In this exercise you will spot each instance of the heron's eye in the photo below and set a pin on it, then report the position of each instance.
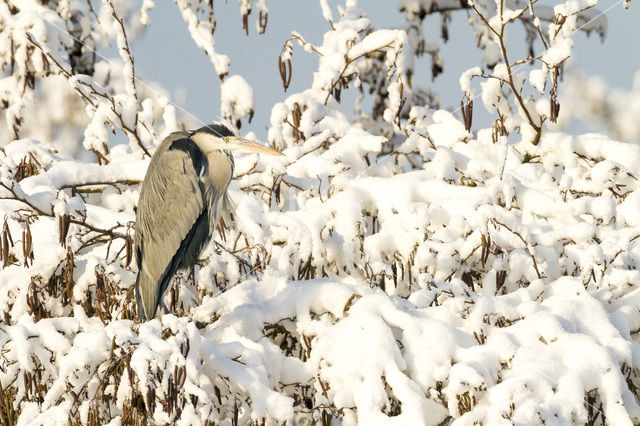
(226, 139)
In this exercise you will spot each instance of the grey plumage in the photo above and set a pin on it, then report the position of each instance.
(182, 197)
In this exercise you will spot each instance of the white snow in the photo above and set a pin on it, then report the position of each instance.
(395, 269)
(236, 98)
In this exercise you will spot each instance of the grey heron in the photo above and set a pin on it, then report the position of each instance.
(182, 197)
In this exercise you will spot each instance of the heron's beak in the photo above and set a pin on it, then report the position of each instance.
(251, 146)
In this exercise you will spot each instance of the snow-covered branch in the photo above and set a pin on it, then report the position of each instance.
(394, 267)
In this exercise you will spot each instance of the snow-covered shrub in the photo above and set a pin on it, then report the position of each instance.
(394, 267)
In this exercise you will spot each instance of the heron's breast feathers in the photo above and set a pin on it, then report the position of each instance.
(220, 171)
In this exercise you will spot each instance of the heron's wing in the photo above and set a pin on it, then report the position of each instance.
(171, 212)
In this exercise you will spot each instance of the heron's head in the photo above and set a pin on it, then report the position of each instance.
(222, 137)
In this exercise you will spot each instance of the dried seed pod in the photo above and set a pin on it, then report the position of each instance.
(554, 108)
(486, 244)
(128, 245)
(436, 65)
(174, 298)
(151, 401)
(113, 347)
(100, 278)
(67, 275)
(184, 348)
(245, 22)
(445, 18)
(296, 116)
(277, 188)
(181, 375)
(402, 101)
(501, 277)
(27, 243)
(262, 22)
(27, 379)
(284, 67)
(12, 59)
(63, 229)
(5, 242)
(170, 396)
(467, 111)
(34, 302)
(554, 105)
(337, 91)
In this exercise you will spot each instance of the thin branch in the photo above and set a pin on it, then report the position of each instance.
(538, 29)
(517, 95)
(304, 43)
(349, 62)
(100, 183)
(92, 91)
(526, 245)
(110, 232)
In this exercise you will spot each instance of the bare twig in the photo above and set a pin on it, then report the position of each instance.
(32, 207)
(503, 50)
(526, 245)
(90, 93)
(348, 62)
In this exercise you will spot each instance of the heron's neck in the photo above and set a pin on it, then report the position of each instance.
(220, 168)
(207, 143)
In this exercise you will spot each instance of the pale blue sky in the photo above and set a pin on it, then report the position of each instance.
(166, 54)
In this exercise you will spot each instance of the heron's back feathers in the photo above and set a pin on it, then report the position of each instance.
(173, 221)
